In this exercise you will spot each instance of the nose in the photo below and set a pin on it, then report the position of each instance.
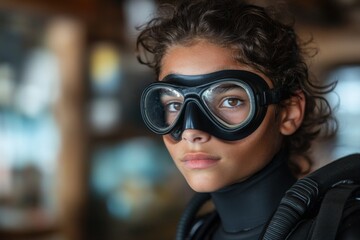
(195, 136)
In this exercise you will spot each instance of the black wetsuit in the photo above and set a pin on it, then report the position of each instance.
(243, 209)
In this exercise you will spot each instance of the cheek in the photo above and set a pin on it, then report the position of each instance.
(267, 139)
(264, 143)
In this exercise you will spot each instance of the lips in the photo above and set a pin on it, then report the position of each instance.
(199, 160)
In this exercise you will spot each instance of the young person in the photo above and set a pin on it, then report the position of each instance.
(236, 108)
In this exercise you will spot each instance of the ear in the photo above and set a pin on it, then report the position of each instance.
(292, 113)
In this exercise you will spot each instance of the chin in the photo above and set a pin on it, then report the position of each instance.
(204, 186)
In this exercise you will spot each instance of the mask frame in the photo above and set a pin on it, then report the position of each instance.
(195, 114)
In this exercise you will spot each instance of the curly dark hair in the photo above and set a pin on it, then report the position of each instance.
(257, 39)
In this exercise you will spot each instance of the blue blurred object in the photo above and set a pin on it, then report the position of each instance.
(135, 178)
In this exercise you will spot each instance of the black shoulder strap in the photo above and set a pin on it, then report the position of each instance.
(300, 198)
(331, 210)
(187, 218)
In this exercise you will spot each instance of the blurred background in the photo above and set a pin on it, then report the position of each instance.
(76, 162)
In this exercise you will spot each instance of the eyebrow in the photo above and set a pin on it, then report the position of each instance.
(221, 89)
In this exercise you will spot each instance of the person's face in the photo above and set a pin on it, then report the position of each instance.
(209, 163)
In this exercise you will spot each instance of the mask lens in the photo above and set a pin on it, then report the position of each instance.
(162, 107)
(230, 103)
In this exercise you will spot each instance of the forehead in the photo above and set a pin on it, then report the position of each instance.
(201, 57)
(195, 59)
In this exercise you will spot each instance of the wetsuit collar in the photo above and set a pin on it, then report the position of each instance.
(249, 204)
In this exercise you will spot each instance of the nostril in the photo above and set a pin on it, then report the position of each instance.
(197, 139)
(195, 136)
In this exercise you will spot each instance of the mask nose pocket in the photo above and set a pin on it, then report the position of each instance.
(193, 118)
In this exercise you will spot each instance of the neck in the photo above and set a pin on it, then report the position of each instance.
(250, 204)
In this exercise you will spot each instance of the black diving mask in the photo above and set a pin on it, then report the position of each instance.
(228, 104)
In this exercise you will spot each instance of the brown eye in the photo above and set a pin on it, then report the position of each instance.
(173, 107)
(231, 102)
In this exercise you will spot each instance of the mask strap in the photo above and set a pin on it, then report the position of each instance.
(273, 96)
